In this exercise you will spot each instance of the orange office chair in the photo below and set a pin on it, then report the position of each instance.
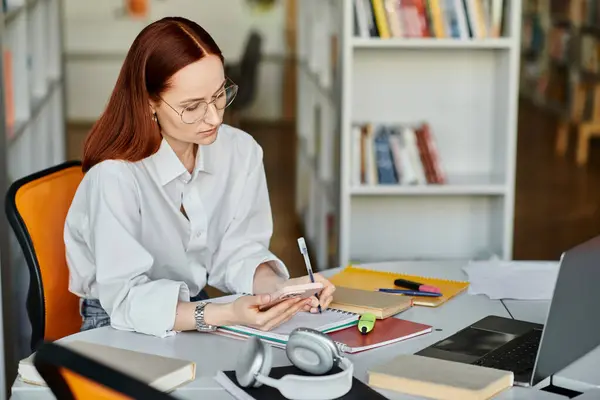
(72, 376)
(36, 208)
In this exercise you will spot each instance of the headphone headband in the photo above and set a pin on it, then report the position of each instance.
(309, 350)
(298, 387)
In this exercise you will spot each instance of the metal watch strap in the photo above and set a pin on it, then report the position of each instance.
(201, 325)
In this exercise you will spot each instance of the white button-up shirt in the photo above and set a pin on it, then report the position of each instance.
(129, 245)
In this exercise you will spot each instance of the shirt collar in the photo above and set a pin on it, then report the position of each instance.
(169, 167)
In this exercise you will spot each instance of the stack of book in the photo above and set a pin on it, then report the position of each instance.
(395, 154)
(339, 321)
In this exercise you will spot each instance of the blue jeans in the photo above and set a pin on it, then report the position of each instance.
(94, 316)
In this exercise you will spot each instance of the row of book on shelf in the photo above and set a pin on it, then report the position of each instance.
(395, 154)
(590, 53)
(591, 13)
(560, 40)
(579, 12)
(457, 19)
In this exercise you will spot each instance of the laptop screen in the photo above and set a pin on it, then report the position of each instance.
(572, 328)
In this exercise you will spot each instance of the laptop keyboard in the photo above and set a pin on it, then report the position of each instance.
(517, 356)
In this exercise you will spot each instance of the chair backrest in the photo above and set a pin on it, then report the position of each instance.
(249, 68)
(36, 208)
(72, 376)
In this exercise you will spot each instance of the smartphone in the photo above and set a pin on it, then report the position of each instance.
(289, 292)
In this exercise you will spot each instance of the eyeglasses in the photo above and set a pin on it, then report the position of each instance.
(196, 111)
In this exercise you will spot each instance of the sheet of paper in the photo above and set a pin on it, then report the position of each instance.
(517, 280)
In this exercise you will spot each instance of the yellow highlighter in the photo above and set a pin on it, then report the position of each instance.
(366, 323)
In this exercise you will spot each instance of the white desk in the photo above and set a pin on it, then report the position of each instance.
(583, 375)
(593, 394)
(533, 311)
(213, 353)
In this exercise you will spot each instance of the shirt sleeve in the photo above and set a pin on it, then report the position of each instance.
(245, 244)
(132, 300)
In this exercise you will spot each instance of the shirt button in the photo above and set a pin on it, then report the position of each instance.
(198, 234)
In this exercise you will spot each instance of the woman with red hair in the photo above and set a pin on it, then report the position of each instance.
(173, 199)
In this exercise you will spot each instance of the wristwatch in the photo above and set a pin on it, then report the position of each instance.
(201, 325)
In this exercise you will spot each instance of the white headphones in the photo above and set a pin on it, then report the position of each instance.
(309, 350)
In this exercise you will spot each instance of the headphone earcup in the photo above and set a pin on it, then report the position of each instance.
(267, 362)
(311, 352)
(256, 358)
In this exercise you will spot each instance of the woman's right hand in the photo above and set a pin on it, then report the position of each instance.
(245, 311)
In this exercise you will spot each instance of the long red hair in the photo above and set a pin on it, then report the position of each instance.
(126, 129)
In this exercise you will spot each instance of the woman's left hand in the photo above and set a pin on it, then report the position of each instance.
(325, 296)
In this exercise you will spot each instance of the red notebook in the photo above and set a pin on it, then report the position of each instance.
(386, 331)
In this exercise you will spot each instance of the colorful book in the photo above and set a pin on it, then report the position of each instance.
(367, 279)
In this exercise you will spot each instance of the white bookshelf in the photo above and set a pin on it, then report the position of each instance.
(465, 89)
(32, 137)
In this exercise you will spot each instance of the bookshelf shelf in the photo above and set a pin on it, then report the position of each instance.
(432, 43)
(33, 85)
(32, 118)
(37, 105)
(451, 189)
(17, 9)
(417, 133)
(560, 72)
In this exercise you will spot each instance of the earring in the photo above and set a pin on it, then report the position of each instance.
(154, 117)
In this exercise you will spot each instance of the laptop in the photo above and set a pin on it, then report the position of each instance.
(534, 352)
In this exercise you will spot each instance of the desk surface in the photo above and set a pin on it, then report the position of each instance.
(528, 310)
(213, 353)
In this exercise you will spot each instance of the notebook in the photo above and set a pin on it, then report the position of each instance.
(162, 373)
(359, 301)
(329, 321)
(386, 331)
(366, 279)
(439, 379)
(228, 381)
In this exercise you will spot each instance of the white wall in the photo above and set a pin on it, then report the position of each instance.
(96, 42)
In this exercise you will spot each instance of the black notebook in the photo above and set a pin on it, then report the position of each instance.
(227, 379)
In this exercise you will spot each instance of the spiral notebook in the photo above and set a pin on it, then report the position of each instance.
(367, 279)
(330, 320)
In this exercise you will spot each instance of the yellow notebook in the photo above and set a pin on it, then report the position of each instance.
(366, 279)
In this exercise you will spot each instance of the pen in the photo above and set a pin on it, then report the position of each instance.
(410, 292)
(304, 251)
(415, 286)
